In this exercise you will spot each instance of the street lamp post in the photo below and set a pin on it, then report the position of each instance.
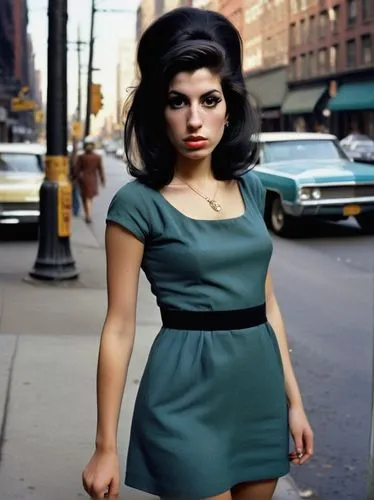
(87, 126)
(54, 260)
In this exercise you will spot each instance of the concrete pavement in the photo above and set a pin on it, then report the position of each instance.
(49, 336)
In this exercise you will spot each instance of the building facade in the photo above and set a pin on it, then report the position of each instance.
(17, 71)
(331, 62)
(265, 57)
(125, 74)
(234, 11)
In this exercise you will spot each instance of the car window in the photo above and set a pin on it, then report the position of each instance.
(20, 162)
(302, 150)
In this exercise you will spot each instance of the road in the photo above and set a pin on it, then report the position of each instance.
(324, 283)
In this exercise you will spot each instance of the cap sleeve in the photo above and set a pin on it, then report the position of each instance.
(256, 189)
(128, 208)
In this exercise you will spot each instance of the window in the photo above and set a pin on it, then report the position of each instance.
(294, 71)
(323, 24)
(20, 162)
(294, 6)
(302, 31)
(312, 64)
(351, 53)
(304, 66)
(303, 150)
(322, 61)
(334, 14)
(293, 35)
(334, 58)
(367, 9)
(312, 27)
(367, 49)
(351, 12)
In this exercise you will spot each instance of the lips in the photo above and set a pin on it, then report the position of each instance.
(195, 141)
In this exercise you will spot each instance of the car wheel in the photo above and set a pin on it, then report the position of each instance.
(366, 222)
(276, 218)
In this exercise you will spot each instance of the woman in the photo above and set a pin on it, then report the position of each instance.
(218, 395)
(89, 170)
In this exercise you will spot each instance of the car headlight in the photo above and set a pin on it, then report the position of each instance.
(316, 194)
(305, 194)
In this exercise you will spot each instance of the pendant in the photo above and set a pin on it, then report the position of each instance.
(215, 205)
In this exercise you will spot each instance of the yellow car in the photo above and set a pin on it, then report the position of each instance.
(21, 175)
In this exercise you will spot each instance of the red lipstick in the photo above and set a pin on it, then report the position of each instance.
(195, 141)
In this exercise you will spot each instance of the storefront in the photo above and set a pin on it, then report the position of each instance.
(352, 108)
(268, 89)
(304, 109)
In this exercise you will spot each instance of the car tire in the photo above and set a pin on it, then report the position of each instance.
(277, 219)
(366, 222)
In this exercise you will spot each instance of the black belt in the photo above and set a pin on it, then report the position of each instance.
(214, 320)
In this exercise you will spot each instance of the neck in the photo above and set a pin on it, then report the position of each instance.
(195, 170)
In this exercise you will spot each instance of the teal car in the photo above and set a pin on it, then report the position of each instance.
(308, 175)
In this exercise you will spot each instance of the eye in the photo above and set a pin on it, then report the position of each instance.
(176, 102)
(211, 101)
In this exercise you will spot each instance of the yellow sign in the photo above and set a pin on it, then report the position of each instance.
(351, 210)
(96, 98)
(39, 116)
(77, 129)
(64, 207)
(56, 168)
(18, 104)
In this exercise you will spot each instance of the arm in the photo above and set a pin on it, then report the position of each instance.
(101, 171)
(299, 425)
(124, 255)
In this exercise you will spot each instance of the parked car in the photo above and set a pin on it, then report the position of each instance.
(21, 175)
(308, 175)
(359, 147)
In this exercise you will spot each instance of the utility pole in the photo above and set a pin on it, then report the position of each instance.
(54, 260)
(87, 127)
(79, 97)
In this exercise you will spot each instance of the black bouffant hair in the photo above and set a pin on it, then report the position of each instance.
(187, 39)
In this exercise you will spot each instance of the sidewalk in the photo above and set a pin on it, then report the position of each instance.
(49, 336)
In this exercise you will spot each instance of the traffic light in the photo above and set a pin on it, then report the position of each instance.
(96, 98)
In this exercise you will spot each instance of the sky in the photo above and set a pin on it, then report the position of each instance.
(109, 29)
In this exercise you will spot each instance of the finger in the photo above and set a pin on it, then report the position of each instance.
(99, 493)
(299, 444)
(114, 488)
(309, 441)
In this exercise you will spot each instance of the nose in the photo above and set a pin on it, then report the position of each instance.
(194, 121)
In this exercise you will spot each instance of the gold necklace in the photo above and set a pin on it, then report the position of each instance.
(217, 207)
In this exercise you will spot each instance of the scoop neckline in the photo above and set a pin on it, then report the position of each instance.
(230, 219)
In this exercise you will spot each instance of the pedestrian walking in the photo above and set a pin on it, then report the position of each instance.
(89, 171)
(218, 398)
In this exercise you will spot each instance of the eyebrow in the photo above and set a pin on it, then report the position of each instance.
(206, 94)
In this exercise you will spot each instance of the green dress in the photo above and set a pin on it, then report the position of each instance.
(211, 410)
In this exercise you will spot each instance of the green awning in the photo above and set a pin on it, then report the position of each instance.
(300, 101)
(268, 88)
(353, 96)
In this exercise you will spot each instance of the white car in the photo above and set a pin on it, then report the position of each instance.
(21, 175)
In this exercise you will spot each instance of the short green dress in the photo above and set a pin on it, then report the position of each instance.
(211, 410)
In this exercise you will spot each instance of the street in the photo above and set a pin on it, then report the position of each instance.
(324, 284)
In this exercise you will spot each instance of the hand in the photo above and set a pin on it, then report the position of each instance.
(302, 435)
(101, 478)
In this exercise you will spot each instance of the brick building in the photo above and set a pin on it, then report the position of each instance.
(265, 57)
(149, 10)
(331, 73)
(17, 70)
(234, 11)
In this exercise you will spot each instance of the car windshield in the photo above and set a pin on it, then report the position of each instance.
(302, 150)
(20, 162)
